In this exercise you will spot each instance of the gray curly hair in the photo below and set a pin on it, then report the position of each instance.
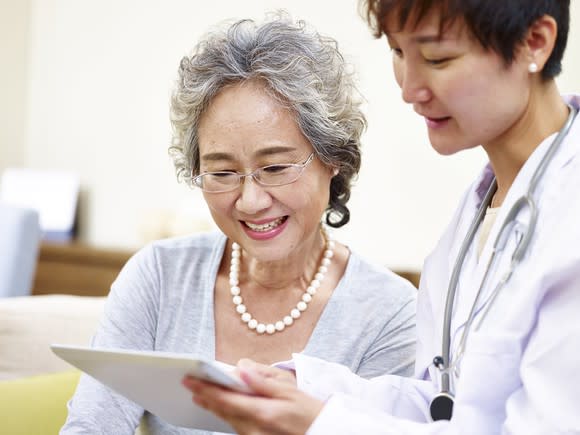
(301, 69)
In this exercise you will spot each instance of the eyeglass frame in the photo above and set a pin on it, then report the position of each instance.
(301, 166)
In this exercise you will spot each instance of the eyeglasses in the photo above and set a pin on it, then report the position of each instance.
(271, 175)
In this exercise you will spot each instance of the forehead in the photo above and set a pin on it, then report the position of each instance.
(431, 26)
(244, 119)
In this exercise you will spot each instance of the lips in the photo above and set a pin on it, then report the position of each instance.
(263, 227)
(434, 123)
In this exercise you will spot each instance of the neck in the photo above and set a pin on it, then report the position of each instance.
(544, 115)
(296, 270)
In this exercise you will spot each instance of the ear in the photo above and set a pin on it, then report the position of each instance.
(540, 40)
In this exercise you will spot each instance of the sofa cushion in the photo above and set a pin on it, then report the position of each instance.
(36, 405)
(28, 325)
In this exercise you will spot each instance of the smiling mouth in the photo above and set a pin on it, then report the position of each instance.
(262, 228)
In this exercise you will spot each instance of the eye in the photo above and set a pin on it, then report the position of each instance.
(221, 174)
(397, 52)
(438, 61)
(275, 169)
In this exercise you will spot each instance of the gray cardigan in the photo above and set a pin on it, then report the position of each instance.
(163, 300)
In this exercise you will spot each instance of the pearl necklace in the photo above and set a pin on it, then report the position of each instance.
(302, 305)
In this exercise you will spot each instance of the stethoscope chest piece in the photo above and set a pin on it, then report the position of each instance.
(441, 407)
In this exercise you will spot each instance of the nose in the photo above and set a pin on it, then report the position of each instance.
(253, 197)
(414, 88)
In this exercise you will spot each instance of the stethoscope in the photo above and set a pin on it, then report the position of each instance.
(441, 406)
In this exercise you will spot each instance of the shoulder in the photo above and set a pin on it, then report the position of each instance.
(377, 285)
(194, 248)
(195, 242)
(177, 253)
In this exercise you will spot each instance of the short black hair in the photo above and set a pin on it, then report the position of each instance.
(499, 25)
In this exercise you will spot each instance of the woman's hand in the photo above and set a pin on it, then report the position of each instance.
(277, 407)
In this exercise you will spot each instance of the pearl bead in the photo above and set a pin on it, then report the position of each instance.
(241, 308)
(295, 313)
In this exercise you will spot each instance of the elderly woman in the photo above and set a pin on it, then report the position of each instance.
(268, 127)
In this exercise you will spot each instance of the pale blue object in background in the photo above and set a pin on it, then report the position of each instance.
(20, 236)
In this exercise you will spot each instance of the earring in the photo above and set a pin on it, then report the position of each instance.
(533, 67)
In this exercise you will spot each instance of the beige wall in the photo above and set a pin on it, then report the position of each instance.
(98, 84)
(14, 39)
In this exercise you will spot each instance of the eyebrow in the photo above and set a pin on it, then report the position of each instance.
(422, 39)
(427, 39)
(219, 156)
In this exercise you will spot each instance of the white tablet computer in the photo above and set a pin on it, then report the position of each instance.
(153, 380)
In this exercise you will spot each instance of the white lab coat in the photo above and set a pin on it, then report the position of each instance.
(521, 370)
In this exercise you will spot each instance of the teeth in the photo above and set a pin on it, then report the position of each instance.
(265, 227)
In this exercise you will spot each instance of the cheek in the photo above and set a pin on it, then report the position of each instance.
(478, 104)
(310, 197)
(398, 72)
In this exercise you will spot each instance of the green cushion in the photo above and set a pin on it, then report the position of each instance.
(36, 405)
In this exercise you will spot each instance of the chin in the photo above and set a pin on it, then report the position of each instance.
(449, 147)
(446, 150)
(265, 254)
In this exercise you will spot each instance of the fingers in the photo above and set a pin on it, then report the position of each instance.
(224, 403)
(268, 413)
(264, 385)
(247, 365)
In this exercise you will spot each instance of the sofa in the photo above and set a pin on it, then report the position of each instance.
(35, 385)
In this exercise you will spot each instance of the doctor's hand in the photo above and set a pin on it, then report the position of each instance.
(277, 407)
